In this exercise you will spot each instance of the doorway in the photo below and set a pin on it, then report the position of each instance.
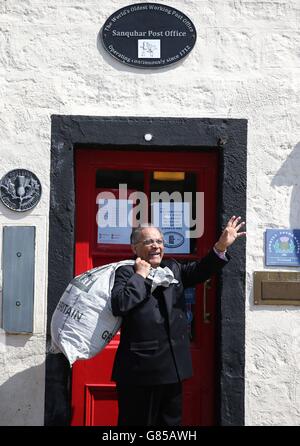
(187, 137)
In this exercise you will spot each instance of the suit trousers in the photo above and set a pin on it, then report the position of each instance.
(159, 405)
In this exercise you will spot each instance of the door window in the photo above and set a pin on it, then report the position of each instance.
(125, 198)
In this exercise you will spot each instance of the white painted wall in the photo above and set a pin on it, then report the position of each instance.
(245, 65)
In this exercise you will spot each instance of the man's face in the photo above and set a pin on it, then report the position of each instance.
(151, 252)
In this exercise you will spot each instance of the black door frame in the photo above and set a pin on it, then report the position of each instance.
(229, 137)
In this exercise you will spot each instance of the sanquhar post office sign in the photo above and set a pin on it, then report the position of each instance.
(148, 35)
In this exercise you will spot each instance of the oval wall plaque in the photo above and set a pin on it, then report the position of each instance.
(148, 35)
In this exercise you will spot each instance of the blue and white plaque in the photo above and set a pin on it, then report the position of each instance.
(282, 247)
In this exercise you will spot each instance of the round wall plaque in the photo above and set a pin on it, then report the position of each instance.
(20, 190)
(148, 35)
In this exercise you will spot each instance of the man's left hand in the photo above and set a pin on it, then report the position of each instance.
(230, 234)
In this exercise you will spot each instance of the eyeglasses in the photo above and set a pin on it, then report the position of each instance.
(151, 241)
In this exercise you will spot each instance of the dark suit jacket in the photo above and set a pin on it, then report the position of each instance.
(154, 345)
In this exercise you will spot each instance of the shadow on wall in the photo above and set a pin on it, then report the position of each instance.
(22, 398)
(23, 401)
(288, 175)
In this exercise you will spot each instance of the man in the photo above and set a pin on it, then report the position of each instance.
(153, 357)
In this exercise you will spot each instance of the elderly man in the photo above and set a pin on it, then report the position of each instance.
(153, 357)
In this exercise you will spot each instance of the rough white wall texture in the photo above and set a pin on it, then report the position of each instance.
(245, 65)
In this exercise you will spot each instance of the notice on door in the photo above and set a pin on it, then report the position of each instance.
(173, 219)
(114, 227)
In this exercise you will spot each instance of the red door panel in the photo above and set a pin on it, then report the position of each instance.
(94, 399)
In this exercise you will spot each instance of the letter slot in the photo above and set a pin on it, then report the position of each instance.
(18, 278)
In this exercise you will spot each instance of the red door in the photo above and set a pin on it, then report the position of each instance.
(93, 393)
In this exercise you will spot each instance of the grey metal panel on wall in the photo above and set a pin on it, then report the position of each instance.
(18, 278)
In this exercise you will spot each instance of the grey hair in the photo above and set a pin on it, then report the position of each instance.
(136, 232)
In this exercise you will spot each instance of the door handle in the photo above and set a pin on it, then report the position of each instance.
(206, 314)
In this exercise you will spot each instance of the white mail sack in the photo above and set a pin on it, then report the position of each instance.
(82, 323)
